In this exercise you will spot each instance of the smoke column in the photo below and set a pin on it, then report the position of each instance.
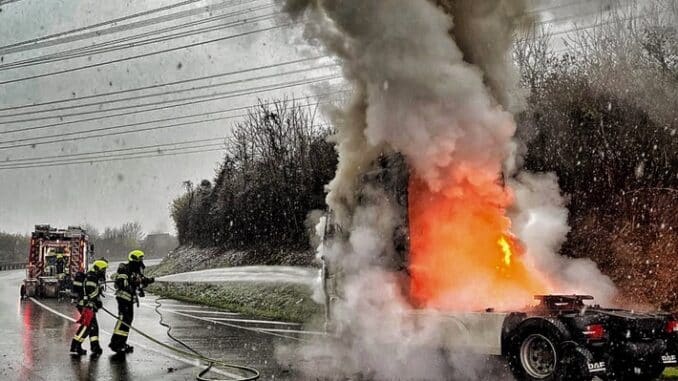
(433, 82)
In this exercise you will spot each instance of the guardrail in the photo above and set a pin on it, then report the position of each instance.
(13, 266)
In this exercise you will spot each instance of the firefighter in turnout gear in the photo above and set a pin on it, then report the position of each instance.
(60, 265)
(129, 282)
(87, 292)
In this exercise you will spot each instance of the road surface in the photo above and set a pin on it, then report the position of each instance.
(35, 337)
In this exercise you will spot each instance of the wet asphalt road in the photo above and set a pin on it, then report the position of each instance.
(35, 336)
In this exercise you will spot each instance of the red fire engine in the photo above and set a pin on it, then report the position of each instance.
(55, 255)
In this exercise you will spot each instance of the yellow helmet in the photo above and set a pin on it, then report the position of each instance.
(100, 265)
(59, 256)
(135, 255)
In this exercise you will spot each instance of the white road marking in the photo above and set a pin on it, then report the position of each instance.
(272, 322)
(319, 333)
(172, 303)
(163, 353)
(251, 329)
(200, 311)
(222, 321)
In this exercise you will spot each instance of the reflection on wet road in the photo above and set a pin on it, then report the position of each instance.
(35, 337)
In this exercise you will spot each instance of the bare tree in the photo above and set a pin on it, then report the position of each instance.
(534, 56)
(276, 165)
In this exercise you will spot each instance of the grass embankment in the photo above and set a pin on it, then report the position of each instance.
(184, 259)
(671, 374)
(285, 302)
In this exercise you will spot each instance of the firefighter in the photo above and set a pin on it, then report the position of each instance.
(129, 283)
(60, 265)
(126, 296)
(135, 260)
(136, 269)
(87, 290)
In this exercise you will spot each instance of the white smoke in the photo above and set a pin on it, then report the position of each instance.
(437, 92)
(539, 219)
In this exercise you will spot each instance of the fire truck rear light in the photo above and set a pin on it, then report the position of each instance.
(594, 332)
(672, 326)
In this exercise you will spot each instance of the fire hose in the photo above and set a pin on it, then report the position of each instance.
(192, 353)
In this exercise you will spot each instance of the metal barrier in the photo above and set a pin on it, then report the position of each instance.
(13, 266)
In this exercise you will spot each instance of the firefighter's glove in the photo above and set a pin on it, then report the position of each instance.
(141, 293)
(98, 304)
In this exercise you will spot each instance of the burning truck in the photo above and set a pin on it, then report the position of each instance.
(429, 244)
(560, 337)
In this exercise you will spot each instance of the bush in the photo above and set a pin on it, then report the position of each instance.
(276, 165)
(13, 247)
(603, 119)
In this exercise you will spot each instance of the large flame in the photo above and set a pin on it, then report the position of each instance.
(462, 253)
(506, 249)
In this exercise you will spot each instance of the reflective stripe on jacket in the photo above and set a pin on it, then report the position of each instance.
(124, 290)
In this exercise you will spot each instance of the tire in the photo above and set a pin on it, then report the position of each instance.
(575, 362)
(539, 350)
(22, 291)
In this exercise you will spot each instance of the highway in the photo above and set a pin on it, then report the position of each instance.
(36, 335)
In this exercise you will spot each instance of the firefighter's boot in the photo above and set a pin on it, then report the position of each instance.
(116, 348)
(121, 348)
(76, 348)
(96, 349)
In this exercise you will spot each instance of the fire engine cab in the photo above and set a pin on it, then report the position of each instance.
(54, 256)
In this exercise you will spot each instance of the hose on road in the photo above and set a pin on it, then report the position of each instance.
(191, 353)
(211, 362)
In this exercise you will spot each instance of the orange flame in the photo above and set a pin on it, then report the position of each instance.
(456, 260)
(506, 249)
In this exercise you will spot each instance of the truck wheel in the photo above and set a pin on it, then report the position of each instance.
(538, 356)
(575, 362)
(22, 291)
(536, 351)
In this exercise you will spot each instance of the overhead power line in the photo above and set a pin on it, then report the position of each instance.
(157, 94)
(122, 43)
(112, 159)
(560, 6)
(72, 136)
(579, 29)
(90, 157)
(180, 82)
(94, 156)
(247, 33)
(231, 94)
(107, 134)
(561, 19)
(6, 48)
(37, 160)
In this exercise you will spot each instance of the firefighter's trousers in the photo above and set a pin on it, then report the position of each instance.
(85, 330)
(121, 331)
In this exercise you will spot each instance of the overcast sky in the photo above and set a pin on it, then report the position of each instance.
(111, 193)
